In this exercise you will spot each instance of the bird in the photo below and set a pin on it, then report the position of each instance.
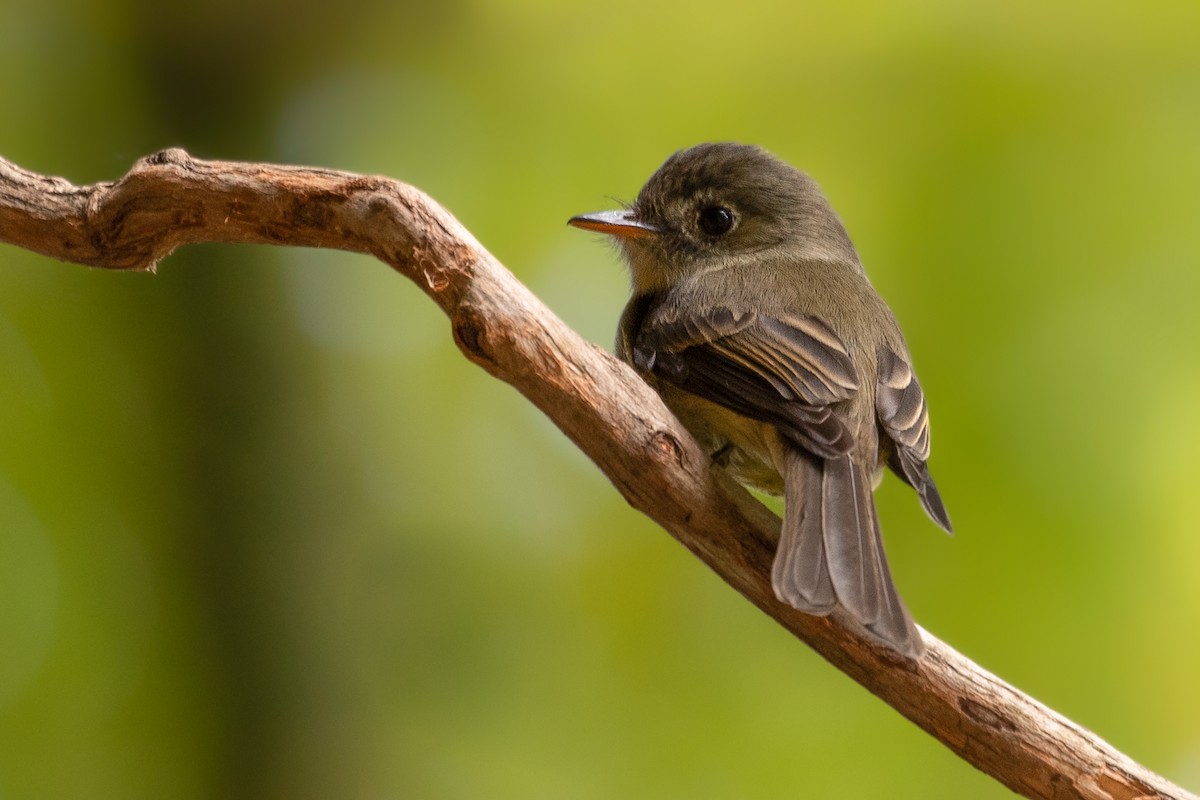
(753, 318)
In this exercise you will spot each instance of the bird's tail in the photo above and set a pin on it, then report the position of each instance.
(831, 553)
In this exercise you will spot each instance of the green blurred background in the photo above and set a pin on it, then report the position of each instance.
(265, 533)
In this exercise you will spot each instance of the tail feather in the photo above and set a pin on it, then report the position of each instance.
(895, 625)
(850, 539)
(800, 574)
(831, 552)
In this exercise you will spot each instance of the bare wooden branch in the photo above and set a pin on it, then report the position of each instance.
(170, 199)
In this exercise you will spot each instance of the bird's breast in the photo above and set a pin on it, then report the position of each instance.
(749, 450)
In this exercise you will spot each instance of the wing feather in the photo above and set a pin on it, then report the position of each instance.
(783, 371)
(904, 419)
(786, 372)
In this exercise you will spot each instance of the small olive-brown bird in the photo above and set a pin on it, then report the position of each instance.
(752, 317)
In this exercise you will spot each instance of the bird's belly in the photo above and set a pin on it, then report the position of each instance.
(746, 448)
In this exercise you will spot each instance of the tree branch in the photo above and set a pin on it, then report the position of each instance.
(170, 199)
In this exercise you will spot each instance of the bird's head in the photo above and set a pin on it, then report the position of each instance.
(712, 206)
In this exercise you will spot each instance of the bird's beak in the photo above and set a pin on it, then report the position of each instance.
(615, 223)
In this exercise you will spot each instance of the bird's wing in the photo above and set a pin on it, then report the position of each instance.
(793, 372)
(904, 419)
(784, 370)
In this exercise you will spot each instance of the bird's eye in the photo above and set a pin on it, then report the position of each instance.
(716, 220)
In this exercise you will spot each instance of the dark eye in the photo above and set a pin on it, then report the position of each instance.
(716, 220)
